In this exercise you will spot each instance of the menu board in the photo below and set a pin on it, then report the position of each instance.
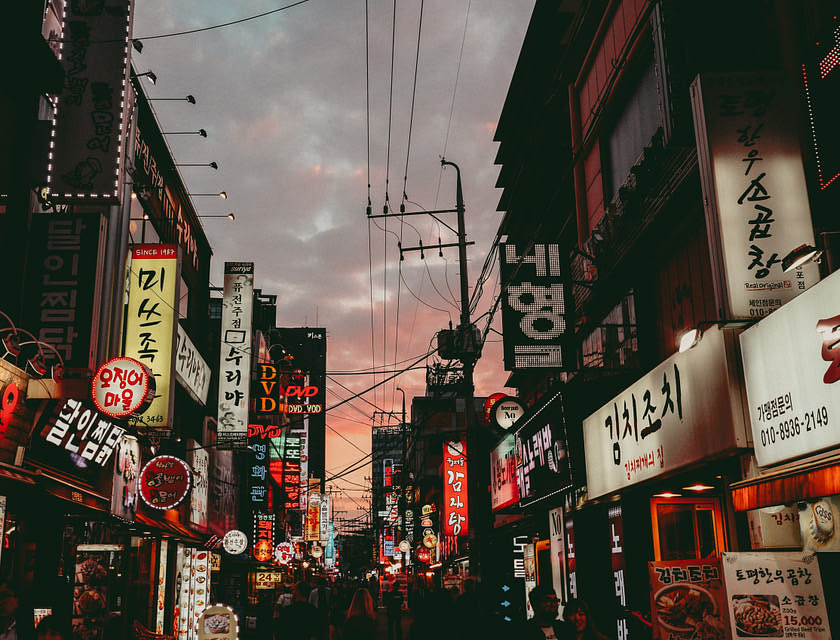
(95, 573)
(775, 595)
(193, 587)
(687, 600)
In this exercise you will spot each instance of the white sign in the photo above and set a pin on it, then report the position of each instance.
(199, 459)
(775, 595)
(235, 356)
(284, 552)
(507, 412)
(557, 546)
(323, 523)
(235, 542)
(190, 368)
(122, 387)
(754, 190)
(687, 409)
(792, 377)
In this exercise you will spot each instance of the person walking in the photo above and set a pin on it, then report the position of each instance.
(360, 623)
(12, 625)
(300, 620)
(545, 625)
(393, 609)
(581, 624)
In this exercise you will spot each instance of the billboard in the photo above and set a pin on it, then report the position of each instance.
(535, 316)
(235, 356)
(151, 317)
(754, 190)
(87, 136)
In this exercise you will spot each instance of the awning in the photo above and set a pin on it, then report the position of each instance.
(169, 528)
(814, 479)
(67, 489)
(16, 474)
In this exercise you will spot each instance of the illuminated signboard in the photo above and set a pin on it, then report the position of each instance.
(284, 552)
(754, 190)
(235, 542)
(504, 490)
(9, 400)
(235, 355)
(258, 476)
(534, 310)
(81, 430)
(124, 486)
(263, 549)
(164, 482)
(122, 387)
(153, 283)
(455, 489)
(86, 146)
(821, 80)
(313, 518)
(266, 390)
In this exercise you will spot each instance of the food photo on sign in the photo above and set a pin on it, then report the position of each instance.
(688, 600)
(94, 588)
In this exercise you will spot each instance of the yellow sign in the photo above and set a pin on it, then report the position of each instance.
(267, 579)
(153, 277)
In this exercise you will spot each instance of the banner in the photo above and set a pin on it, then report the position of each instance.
(199, 460)
(87, 137)
(235, 356)
(151, 318)
(687, 599)
(775, 595)
(64, 275)
(455, 489)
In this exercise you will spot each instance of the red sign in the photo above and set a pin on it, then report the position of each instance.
(491, 400)
(9, 399)
(165, 482)
(455, 501)
(263, 536)
(122, 387)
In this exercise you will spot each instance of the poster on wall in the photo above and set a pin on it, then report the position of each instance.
(235, 354)
(150, 323)
(530, 564)
(775, 595)
(95, 583)
(754, 190)
(687, 600)
(126, 471)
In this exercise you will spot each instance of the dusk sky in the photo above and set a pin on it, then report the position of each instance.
(283, 100)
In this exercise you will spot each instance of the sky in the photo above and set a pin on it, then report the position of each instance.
(300, 120)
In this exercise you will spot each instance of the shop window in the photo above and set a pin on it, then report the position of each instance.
(686, 529)
(613, 344)
(634, 127)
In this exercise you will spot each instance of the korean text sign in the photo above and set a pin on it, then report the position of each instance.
(455, 489)
(235, 356)
(534, 311)
(775, 595)
(153, 283)
(80, 429)
(792, 376)
(687, 599)
(542, 466)
(87, 132)
(687, 409)
(503, 488)
(754, 188)
(190, 368)
(164, 482)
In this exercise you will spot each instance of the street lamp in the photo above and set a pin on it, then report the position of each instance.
(149, 74)
(190, 98)
(212, 165)
(200, 132)
(221, 194)
(229, 216)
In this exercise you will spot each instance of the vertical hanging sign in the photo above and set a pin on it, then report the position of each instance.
(455, 500)
(754, 189)
(235, 356)
(153, 279)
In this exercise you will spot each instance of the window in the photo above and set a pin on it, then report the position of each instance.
(686, 529)
(633, 130)
(613, 344)
(184, 299)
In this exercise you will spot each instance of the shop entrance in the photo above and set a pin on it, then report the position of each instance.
(686, 528)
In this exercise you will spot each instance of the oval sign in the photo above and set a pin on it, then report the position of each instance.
(316, 551)
(123, 387)
(164, 482)
(507, 411)
(284, 552)
(235, 542)
(430, 540)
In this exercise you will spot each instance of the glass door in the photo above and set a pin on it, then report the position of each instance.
(686, 528)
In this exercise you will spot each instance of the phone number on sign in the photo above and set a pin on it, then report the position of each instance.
(787, 429)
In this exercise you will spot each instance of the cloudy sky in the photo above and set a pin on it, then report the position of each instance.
(284, 102)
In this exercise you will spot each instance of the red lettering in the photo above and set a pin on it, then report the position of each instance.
(8, 402)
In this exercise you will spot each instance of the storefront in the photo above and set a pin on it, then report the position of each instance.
(659, 457)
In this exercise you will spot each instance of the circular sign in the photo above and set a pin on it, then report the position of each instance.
(426, 523)
(404, 546)
(164, 482)
(263, 550)
(491, 400)
(122, 387)
(507, 411)
(430, 540)
(316, 551)
(235, 542)
(284, 552)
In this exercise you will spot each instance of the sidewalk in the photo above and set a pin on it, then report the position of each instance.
(382, 624)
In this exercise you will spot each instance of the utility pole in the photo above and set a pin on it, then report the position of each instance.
(403, 474)
(466, 347)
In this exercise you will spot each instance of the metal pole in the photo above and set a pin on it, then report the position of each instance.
(402, 483)
(468, 360)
